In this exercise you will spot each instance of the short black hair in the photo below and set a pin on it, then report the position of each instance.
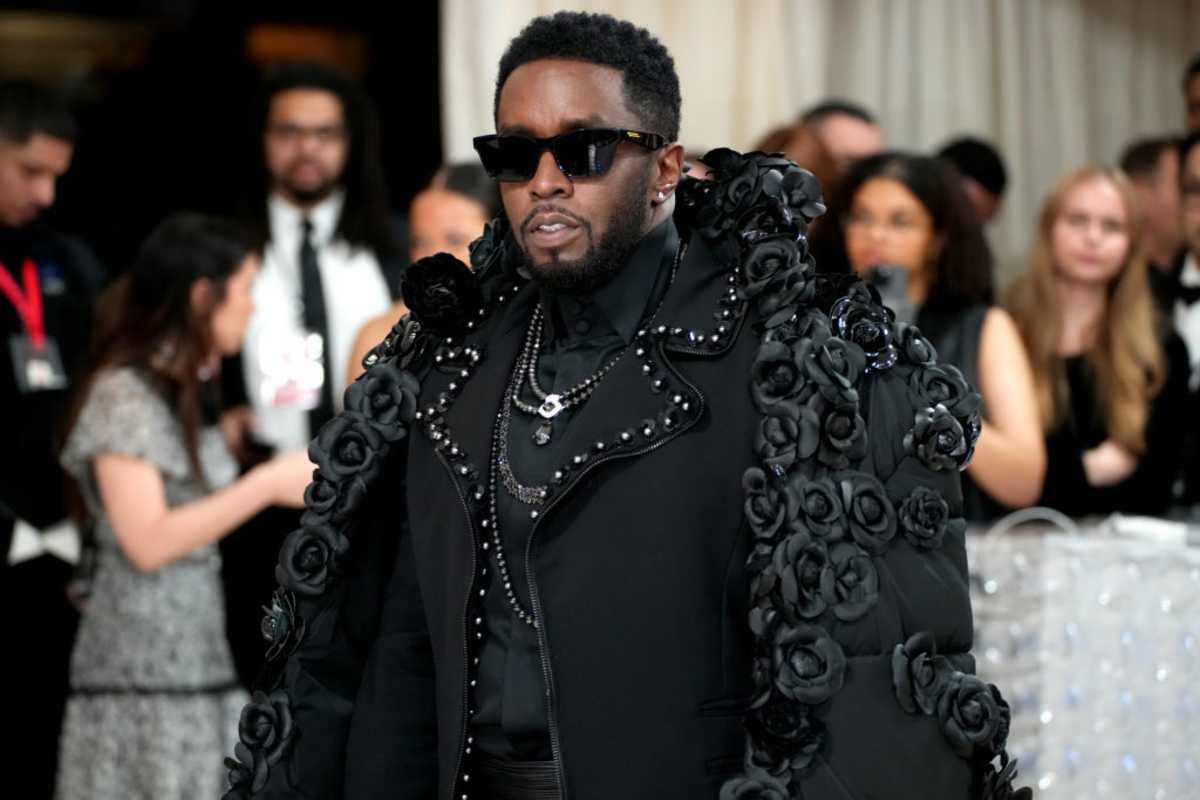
(1140, 159)
(651, 85)
(1189, 143)
(1193, 69)
(27, 108)
(818, 113)
(978, 160)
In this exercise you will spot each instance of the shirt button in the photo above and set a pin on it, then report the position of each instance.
(582, 326)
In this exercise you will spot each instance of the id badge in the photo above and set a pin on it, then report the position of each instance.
(37, 369)
(292, 370)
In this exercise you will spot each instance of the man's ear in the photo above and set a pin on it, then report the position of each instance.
(669, 161)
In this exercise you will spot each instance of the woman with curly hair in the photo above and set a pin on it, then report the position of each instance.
(154, 698)
(904, 217)
(1111, 378)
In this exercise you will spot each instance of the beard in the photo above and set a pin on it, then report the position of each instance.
(309, 194)
(604, 258)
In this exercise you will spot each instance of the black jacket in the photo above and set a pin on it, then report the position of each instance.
(638, 570)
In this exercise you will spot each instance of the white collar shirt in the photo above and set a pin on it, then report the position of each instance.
(355, 290)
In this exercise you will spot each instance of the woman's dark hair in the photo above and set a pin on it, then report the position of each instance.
(963, 274)
(472, 181)
(145, 319)
(366, 219)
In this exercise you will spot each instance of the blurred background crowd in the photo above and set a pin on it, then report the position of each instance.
(204, 216)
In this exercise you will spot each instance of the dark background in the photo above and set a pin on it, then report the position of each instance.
(163, 92)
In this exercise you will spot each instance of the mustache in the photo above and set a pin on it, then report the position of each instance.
(549, 208)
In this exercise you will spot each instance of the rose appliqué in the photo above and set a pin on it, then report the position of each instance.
(938, 439)
(442, 293)
(264, 733)
(925, 519)
(308, 558)
(869, 512)
(859, 317)
(809, 666)
(387, 398)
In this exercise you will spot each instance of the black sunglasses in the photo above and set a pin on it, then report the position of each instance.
(579, 154)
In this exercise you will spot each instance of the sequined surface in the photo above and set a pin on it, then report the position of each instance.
(1095, 639)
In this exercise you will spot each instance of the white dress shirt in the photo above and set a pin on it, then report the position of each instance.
(1187, 317)
(355, 291)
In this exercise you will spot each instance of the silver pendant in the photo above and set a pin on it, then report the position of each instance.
(551, 407)
(541, 435)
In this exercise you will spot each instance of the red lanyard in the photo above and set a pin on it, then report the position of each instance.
(28, 303)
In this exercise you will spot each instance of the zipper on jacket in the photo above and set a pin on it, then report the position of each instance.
(462, 738)
(531, 579)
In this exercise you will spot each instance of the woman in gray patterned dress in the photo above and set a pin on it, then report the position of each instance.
(154, 700)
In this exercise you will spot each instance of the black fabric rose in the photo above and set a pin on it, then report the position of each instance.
(871, 517)
(282, 627)
(998, 784)
(788, 432)
(266, 725)
(243, 775)
(778, 303)
(915, 348)
(937, 438)
(442, 293)
(776, 374)
(809, 323)
(834, 367)
(769, 504)
(308, 559)
(809, 666)
(944, 384)
(784, 738)
(820, 506)
(919, 674)
(744, 787)
(974, 717)
(802, 192)
(859, 318)
(741, 190)
(330, 503)
(843, 435)
(800, 561)
(347, 447)
(490, 242)
(849, 582)
(767, 263)
(387, 397)
(925, 519)
(265, 731)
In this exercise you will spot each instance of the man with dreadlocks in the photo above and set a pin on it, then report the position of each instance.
(642, 507)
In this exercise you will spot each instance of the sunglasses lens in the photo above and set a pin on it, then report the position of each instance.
(508, 158)
(585, 153)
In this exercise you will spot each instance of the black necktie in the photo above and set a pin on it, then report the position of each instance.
(314, 320)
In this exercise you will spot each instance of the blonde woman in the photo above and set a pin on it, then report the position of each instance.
(1111, 380)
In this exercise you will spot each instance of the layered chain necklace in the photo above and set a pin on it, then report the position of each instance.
(550, 406)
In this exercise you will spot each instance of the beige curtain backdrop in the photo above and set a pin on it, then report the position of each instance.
(1053, 83)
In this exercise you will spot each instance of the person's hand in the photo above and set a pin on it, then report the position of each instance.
(287, 476)
(1108, 464)
(237, 425)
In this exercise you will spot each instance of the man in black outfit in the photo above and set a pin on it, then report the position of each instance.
(48, 283)
(601, 520)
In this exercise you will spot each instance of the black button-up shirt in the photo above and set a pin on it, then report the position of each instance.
(581, 335)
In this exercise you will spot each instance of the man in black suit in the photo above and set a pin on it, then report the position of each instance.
(639, 485)
(48, 285)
